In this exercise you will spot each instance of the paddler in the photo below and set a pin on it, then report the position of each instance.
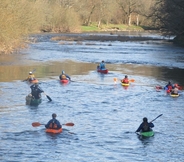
(125, 80)
(30, 77)
(53, 123)
(145, 126)
(64, 76)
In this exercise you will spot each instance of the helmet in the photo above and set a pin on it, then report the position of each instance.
(63, 72)
(102, 60)
(145, 119)
(54, 115)
(30, 72)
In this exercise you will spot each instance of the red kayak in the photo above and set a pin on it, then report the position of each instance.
(103, 71)
(64, 81)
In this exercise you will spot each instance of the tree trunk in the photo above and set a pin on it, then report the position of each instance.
(129, 20)
(137, 19)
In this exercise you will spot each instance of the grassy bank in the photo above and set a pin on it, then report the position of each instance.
(110, 27)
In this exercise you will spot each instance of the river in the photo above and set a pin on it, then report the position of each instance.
(105, 114)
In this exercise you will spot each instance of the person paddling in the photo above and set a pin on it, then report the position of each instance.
(30, 77)
(174, 91)
(53, 123)
(102, 65)
(168, 87)
(64, 76)
(36, 91)
(125, 80)
(145, 126)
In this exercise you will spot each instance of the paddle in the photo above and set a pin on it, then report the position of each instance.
(37, 124)
(116, 79)
(156, 118)
(47, 97)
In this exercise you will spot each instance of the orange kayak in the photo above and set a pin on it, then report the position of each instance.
(33, 81)
(55, 131)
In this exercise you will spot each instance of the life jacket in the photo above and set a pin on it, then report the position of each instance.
(53, 125)
(125, 81)
(169, 89)
(174, 91)
(31, 77)
(63, 76)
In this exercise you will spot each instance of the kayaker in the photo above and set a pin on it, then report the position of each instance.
(64, 76)
(174, 91)
(102, 65)
(36, 91)
(125, 80)
(145, 126)
(168, 87)
(30, 77)
(53, 123)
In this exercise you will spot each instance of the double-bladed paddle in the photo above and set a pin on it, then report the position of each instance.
(37, 124)
(156, 118)
(130, 80)
(47, 97)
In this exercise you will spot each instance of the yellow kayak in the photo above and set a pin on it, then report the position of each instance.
(125, 84)
(174, 95)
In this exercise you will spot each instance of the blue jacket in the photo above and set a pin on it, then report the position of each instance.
(168, 86)
(53, 124)
(145, 127)
(102, 65)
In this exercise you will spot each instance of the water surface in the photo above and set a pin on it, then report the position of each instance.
(105, 114)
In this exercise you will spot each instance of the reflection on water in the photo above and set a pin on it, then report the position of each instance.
(53, 70)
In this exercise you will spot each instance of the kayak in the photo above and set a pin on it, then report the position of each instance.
(31, 101)
(103, 71)
(147, 134)
(174, 95)
(55, 131)
(125, 84)
(33, 81)
(64, 81)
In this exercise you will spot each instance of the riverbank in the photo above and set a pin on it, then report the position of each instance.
(110, 36)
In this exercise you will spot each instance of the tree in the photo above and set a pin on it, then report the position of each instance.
(168, 15)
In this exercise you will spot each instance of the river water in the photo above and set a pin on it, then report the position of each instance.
(105, 114)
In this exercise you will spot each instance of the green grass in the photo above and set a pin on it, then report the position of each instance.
(110, 27)
(89, 28)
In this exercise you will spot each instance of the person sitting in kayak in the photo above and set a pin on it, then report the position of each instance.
(168, 87)
(102, 65)
(36, 91)
(30, 77)
(174, 91)
(53, 123)
(64, 76)
(125, 80)
(145, 126)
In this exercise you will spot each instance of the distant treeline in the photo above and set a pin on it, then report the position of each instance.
(19, 18)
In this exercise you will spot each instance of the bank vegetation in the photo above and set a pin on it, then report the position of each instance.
(20, 18)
